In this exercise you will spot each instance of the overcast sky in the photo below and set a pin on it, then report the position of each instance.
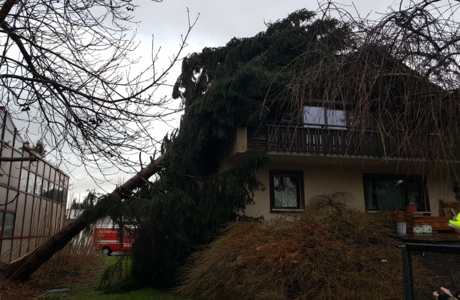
(218, 22)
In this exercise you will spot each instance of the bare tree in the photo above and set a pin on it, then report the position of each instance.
(65, 69)
(399, 76)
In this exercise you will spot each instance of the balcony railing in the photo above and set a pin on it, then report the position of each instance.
(314, 139)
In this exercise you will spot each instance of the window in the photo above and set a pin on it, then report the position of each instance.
(48, 190)
(8, 135)
(321, 117)
(6, 224)
(23, 180)
(18, 141)
(56, 193)
(38, 185)
(389, 192)
(2, 121)
(286, 190)
(456, 186)
(64, 196)
(31, 184)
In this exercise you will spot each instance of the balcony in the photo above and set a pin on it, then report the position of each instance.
(339, 141)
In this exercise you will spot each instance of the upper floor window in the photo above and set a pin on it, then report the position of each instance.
(322, 117)
(286, 190)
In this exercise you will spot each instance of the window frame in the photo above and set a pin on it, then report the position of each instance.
(422, 181)
(300, 193)
(326, 121)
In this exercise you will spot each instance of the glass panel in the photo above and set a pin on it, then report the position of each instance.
(15, 174)
(58, 179)
(314, 115)
(31, 184)
(286, 191)
(415, 194)
(18, 142)
(5, 168)
(1, 222)
(56, 193)
(38, 185)
(385, 193)
(3, 194)
(336, 119)
(40, 167)
(64, 196)
(17, 153)
(9, 225)
(49, 193)
(33, 166)
(2, 118)
(371, 202)
(392, 193)
(44, 188)
(59, 193)
(11, 200)
(9, 132)
(7, 152)
(23, 181)
(52, 175)
(46, 174)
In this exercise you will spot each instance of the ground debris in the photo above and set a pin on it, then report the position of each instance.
(330, 251)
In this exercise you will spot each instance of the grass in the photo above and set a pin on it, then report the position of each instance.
(147, 293)
(87, 287)
(76, 273)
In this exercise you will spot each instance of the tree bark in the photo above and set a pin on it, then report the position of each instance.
(4, 159)
(23, 267)
(6, 8)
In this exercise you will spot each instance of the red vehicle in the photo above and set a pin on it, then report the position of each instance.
(108, 239)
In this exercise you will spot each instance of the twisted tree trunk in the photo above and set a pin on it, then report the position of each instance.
(23, 267)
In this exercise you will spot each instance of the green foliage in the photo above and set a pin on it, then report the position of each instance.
(39, 148)
(222, 89)
(88, 202)
(141, 294)
(227, 87)
(187, 215)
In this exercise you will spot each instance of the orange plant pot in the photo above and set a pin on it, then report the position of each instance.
(410, 209)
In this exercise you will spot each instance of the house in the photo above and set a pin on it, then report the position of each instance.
(364, 124)
(33, 194)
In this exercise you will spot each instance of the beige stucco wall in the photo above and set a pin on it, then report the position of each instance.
(329, 175)
(439, 188)
(237, 146)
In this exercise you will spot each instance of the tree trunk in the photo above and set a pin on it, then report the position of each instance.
(23, 267)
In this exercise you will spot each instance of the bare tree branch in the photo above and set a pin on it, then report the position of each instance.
(66, 71)
(32, 158)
